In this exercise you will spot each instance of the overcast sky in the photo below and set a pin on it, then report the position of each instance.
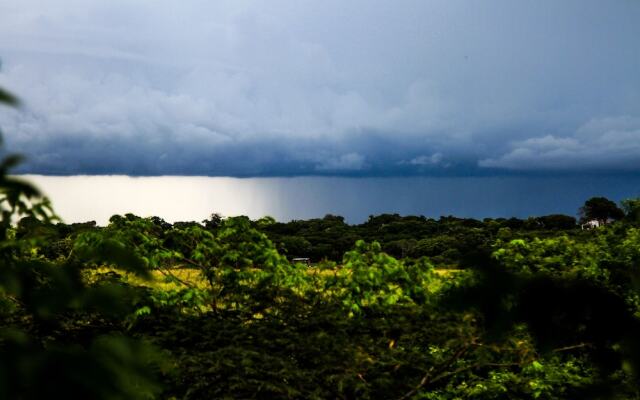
(253, 88)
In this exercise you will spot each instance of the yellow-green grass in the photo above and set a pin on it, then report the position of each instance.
(165, 279)
(180, 278)
(448, 272)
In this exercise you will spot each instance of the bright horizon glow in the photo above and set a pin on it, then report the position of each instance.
(97, 198)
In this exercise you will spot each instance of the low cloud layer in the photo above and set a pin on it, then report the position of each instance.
(600, 144)
(322, 88)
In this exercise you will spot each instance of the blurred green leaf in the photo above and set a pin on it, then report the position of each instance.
(8, 98)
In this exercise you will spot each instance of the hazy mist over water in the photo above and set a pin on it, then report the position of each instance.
(86, 198)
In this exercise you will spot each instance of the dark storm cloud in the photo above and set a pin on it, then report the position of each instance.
(349, 88)
(358, 154)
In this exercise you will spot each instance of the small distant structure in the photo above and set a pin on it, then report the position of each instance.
(302, 260)
(591, 224)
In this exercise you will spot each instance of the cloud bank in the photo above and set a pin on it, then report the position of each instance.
(604, 143)
(247, 88)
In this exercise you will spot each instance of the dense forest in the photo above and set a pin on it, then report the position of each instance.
(398, 307)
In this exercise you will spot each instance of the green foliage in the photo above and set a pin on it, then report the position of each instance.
(560, 255)
(631, 208)
(601, 209)
(371, 278)
(8, 98)
(111, 367)
(572, 294)
(371, 326)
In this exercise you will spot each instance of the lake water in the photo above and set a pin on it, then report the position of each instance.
(86, 198)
